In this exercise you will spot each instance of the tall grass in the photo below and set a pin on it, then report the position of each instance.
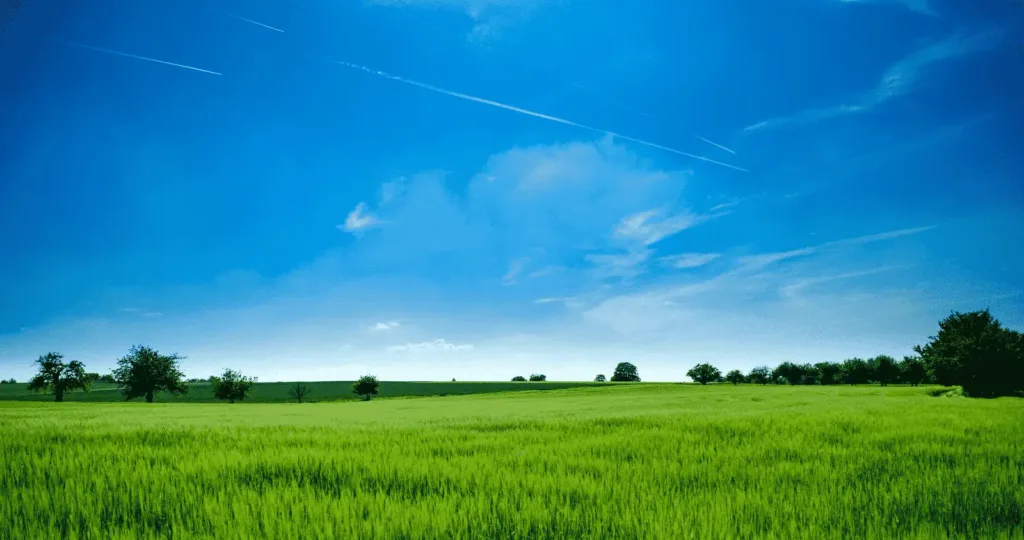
(639, 461)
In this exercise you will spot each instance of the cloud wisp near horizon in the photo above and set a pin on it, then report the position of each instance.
(299, 221)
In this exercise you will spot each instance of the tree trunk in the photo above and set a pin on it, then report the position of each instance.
(59, 394)
(149, 396)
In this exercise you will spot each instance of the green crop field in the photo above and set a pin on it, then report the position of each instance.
(277, 392)
(621, 461)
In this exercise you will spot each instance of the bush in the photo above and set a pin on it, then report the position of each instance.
(232, 386)
(538, 377)
(518, 378)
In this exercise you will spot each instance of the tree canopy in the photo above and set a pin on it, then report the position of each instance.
(518, 378)
(735, 376)
(600, 378)
(367, 387)
(57, 377)
(538, 377)
(760, 375)
(704, 373)
(625, 372)
(232, 386)
(144, 372)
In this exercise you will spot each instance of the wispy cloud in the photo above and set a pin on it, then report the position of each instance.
(250, 21)
(689, 260)
(650, 226)
(385, 325)
(791, 290)
(436, 345)
(900, 79)
(514, 269)
(359, 219)
(918, 6)
(716, 145)
(137, 57)
(142, 313)
(754, 262)
(534, 114)
(626, 265)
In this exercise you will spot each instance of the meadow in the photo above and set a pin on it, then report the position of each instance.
(277, 392)
(620, 461)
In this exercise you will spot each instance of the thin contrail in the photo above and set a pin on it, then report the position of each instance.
(712, 143)
(531, 113)
(241, 18)
(118, 53)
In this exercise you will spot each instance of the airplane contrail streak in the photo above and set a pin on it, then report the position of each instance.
(527, 112)
(128, 55)
(712, 143)
(250, 21)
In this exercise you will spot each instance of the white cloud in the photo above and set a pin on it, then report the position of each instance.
(918, 6)
(514, 269)
(689, 260)
(359, 219)
(436, 345)
(900, 79)
(385, 325)
(650, 226)
(754, 262)
(621, 265)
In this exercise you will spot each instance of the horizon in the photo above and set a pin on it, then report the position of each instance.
(429, 189)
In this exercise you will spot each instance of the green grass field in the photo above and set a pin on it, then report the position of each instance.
(277, 392)
(621, 461)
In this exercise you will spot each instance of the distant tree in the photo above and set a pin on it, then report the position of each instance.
(788, 371)
(829, 372)
(809, 374)
(600, 378)
(760, 375)
(856, 371)
(106, 378)
(232, 386)
(538, 377)
(974, 351)
(9, 381)
(518, 378)
(92, 377)
(298, 391)
(144, 372)
(884, 369)
(625, 372)
(453, 379)
(912, 370)
(57, 377)
(704, 373)
(735, 376)
(366, 386)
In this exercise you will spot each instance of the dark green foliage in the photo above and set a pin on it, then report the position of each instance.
(809, 374)
(600, 378)
(144, 372)
(518, 378)
(9, 381)
(367, 387)
(625, 372)
(760, 375)
(912, 370)
(856, 371)
(974, 351)
(57, 377)
(298, 391)
(704, 373)
(232, 386)
(538, 377)
(885, 369)
(829, 372)
(789, 372)
(735, 376)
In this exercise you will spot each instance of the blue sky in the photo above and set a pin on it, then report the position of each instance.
(429, 189)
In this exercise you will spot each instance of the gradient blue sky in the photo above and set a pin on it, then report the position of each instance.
(298, 218)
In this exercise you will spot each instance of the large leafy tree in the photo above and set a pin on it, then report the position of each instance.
(829, 372)
(856, 371)
(792, 373)
(760, 375)
(885, 369)
(232, 386)
(735, 376)
(144, 372)
(57, 377)
(704, 373)
(625, 372)
(974, 351)
(913, 370)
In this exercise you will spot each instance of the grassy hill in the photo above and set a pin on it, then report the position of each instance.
(277, 392)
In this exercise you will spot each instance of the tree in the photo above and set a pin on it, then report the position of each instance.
(600, 378)
(809, 374)
(366, 386)
(538, 377)
(788, 371)
(885, 369)
(760, 375)
(974, 351)
(912, 370)
(518, 378)
(625, 372)
(57, 377)
(144, 372)
(298, 391)
(232, 386)
(9, 381)
(704, 373)
(829, 372)
(735, 376)
(856, 371)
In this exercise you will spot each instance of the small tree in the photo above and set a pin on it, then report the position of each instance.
(144, 372)
(856, 371)
(912, 370)
(538, 377)
(366, 387)
(57, 377)
(704, 373)
(600, 378)
(974, 351)
(625, 372)
(829, 372)
(760, 375)
(735, 376)
(232, 386)
(518, 378)
(298, 391)
(885, 369)
(790, 372)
